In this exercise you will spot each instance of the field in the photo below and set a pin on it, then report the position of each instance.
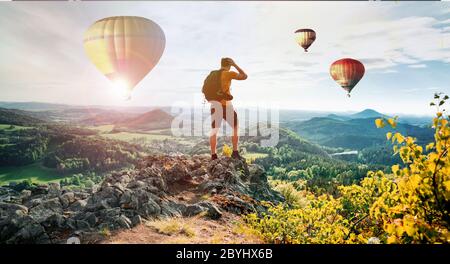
(251, 156)
(129, 136)
(35, 172)
(102, 129)
(8, 127)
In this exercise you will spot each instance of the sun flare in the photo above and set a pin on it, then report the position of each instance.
(121, 89)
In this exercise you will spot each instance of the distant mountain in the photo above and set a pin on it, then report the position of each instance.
(353, 133)
(367, 113)
(34, 106)
(370, 113)
(108, 117)
(18, 117)
(155, 119)
(338, 117)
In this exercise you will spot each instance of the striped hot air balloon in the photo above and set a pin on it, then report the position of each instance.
(124, 48)
(305, 37)
(347, 73)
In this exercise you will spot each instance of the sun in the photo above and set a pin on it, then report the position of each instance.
(121, 88)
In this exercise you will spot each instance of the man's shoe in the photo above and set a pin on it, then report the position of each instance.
(235, 155)
(213, 156)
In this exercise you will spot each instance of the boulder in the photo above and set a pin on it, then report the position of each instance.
(67, 198)
(149, 209)
(54, 189)
(46, 209)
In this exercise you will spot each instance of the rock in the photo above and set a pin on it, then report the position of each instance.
(54, 221)
(374, 240)
(136, 184)
(91, 219)
(46, 209)
(136, 220)
(129, 200)
(122, 222)
(67, 198)
(25, 194)
(176, 173)
(149, 209)
(124, 199)
(103, 199)
(23, 230)
(119, 187)
(9, 195)
(33, 201)
(213, 211)
(54, 189)
(171, 209)
(82, 225)
(194, 209)
(78, 205)
(7, 209)
(40, 189)
(211, 186)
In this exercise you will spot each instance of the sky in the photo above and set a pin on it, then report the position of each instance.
(405, 48)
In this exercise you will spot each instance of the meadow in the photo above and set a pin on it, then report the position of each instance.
(34, 172)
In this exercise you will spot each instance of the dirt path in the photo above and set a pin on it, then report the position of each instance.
(193, 230)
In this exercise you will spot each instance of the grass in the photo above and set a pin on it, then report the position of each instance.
(102, 129)
(7, 127)
(129, 136)
(145, 136)
(105, 232)
(35, 172)
(172, 226)
(250, 157)
(255, 155)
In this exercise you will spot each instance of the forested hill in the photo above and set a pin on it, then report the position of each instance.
(353, 133)
(287, 140)
(17, 117)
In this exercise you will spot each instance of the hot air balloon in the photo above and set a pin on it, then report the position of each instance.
(347, 73)
(305, 37)
(124, 48)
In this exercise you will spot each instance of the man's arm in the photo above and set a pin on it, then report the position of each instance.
(242, 75)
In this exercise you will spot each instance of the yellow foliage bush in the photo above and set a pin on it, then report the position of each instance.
(227, 150)
(409, 205)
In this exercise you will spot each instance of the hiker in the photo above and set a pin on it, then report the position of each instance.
(217, 91)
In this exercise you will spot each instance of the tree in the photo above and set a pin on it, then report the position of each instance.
(408, 204)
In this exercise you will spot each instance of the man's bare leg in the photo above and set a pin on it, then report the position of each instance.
(235, 138)
(213, 141)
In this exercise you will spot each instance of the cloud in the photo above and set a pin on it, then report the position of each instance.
(49, 58)
(444, 22)
(417, 66)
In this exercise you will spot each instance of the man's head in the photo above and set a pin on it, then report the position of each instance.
(226, 63)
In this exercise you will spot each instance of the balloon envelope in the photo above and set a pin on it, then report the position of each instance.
(124, 48)
(305, 37)
(347, 73)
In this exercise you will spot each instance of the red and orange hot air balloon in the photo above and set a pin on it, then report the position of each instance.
(347, 73)
(305, 37)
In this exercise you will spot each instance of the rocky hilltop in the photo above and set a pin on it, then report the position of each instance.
(160, 187)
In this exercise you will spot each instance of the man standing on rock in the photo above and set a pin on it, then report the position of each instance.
(217, 91)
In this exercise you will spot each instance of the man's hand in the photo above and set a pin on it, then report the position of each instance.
(230, 61)
(242, 75)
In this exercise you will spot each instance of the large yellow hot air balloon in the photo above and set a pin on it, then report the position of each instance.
(305, 37)
(124, 48)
